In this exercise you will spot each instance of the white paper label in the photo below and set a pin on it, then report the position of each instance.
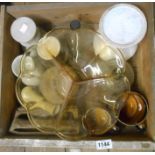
(104, 144)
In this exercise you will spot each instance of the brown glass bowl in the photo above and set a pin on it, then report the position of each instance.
(134, 109)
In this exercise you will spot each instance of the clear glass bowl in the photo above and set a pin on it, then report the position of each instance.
(68, 77)
(85, 51)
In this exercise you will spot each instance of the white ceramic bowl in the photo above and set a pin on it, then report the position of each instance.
(123, 25)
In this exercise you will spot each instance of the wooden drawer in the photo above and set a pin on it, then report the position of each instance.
(46, 15)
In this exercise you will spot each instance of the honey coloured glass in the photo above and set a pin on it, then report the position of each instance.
(93, 106)
(83, 49)
(134, 110)
(70, 82)
(42, 89)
